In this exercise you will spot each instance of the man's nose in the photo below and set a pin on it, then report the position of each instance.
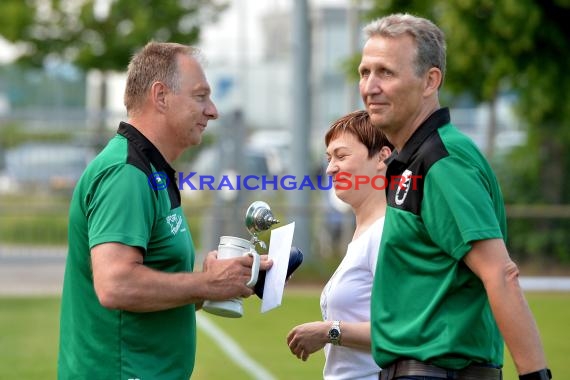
(211, 110)
(369, 85)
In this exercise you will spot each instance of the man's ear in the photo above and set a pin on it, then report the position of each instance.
(433, 81)
(158, 92)
(384, 153)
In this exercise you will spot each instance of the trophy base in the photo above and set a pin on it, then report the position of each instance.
(229, 309)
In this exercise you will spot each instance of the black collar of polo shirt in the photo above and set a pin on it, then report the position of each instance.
(437, 119)
(148, 150)
(146, 147)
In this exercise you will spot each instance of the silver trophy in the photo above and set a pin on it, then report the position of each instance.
(258, 218)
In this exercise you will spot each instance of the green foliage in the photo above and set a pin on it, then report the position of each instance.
(15, 16)
(42, 229)
(520, 47)
(415, 7)
(540, 242)
(92, 37)
(350, 67)
(526, 180)
(484, 38)
(518, 172)
(43, 220)
(14, 134)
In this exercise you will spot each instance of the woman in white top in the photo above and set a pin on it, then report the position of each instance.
(356, 152)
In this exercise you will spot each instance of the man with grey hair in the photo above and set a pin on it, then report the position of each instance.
(130, 294)
(446, 293)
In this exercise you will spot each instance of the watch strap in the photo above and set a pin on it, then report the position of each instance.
(543, 374)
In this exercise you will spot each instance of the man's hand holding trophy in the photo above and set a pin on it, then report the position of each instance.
(258, 218)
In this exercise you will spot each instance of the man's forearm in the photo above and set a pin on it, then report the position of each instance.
(516, 323)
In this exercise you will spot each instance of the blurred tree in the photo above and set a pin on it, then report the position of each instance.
(520, 46)
(99, 34)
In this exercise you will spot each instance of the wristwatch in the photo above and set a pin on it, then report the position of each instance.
(335, 333)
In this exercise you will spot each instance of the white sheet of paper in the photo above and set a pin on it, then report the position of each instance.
(279, 250)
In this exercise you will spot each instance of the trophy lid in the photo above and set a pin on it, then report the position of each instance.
(259, 217)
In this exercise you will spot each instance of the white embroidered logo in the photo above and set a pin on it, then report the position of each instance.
(174, 221)
(403, 186)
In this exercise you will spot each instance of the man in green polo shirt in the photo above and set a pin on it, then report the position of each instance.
(446, 292)
(129, 294)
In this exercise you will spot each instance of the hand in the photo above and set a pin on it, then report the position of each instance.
(266, 263)
(307, 338)
(226, 278)
(295, 259)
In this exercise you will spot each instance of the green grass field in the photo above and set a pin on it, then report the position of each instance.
(29, 333)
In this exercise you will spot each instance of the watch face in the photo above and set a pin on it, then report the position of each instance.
(334, 333)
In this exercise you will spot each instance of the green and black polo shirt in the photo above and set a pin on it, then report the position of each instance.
(426, 303)
(128, 194)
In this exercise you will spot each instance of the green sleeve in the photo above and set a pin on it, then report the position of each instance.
(458, 208)
(120, 207)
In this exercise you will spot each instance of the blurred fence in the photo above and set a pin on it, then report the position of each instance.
(40, 162)
(44, 151)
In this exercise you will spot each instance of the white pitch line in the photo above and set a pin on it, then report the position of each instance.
(232, 349)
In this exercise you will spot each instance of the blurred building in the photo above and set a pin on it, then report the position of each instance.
(248, 56)
(262, 87)
(249, 65)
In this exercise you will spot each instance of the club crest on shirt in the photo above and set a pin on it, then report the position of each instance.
(403, 187)
(174, 221)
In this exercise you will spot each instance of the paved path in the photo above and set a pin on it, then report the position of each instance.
(29, 270)
(31, 276)
(39, 271)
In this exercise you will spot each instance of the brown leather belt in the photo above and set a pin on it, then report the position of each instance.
(410, 367)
